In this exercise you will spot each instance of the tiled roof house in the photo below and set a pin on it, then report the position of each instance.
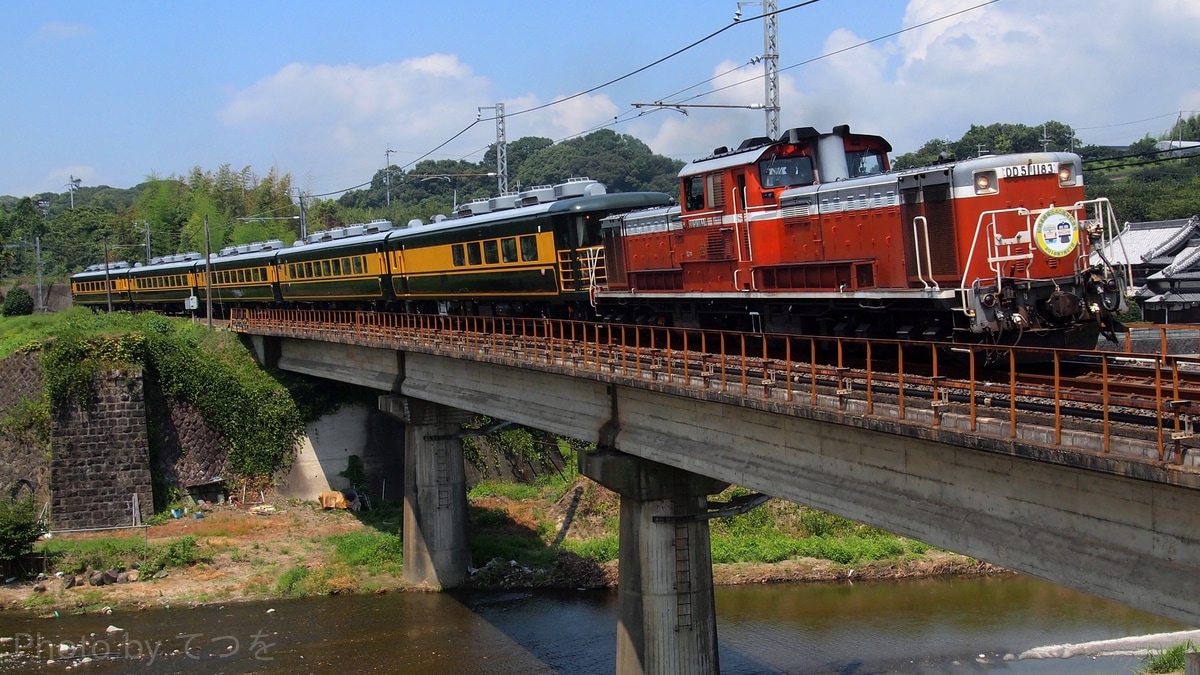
(1164, 256)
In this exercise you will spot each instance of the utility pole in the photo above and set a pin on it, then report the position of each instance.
(107, 281)
(501, 147)
(770, 59)
(72, 186)
(37, 256)
(387, 178)
(147, 224)
(207, 274)
(304, 215)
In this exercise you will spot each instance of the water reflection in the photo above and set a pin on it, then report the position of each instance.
(934, 626)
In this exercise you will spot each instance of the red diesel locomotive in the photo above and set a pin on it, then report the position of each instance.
(814, 234)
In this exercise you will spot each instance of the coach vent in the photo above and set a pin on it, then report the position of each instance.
(503, 202)
(536, 195)
(578, 187)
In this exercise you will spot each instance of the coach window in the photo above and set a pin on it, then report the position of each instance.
(325, 267)
(491, 252)
(358, 265)
(337, 267)
(345, 266)
(308, 271)
(473, 255)
(529, 250)
(458, 255)
(508, 249)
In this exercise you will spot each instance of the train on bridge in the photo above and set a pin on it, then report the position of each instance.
(812, 233)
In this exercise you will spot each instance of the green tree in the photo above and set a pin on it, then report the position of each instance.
(18, 302)
(162, 202)
(1185, 129)
(25, 223)
(76, 238)
(620, 161)
(516, 153)
(7, 257)
(998, 138)
(19, 528)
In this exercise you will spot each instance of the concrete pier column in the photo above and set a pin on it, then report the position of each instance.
(667, 619)
(437, 549)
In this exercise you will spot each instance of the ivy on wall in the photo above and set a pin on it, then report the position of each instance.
(257, 416)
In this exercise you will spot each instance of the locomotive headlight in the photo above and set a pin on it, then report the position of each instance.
(1066, 175)
(985, 183)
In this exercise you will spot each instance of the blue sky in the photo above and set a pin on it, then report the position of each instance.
(113, 92)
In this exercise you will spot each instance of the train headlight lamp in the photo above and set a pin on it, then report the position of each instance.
(985, 183)
(1066, 175)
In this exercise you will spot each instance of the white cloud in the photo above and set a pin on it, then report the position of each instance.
(1087, 64)
(310, 112)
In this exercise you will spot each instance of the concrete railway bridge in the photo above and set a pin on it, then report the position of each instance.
(1105, 508)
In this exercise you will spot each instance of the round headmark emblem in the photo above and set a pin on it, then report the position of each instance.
(1056, 232)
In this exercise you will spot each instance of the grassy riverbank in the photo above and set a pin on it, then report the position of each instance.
(559, 534)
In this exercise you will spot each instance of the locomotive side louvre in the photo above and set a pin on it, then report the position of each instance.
(928, 228)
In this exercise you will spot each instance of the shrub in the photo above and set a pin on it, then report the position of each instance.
(19, 528)
(18, 303)
(1168, 660)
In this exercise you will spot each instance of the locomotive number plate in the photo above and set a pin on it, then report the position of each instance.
(1022, 170)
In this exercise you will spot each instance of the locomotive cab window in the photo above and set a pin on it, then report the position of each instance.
(458, 255)
(694, 190)
(491, 252)
(864, 162)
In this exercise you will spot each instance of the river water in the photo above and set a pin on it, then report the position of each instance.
(927, 626)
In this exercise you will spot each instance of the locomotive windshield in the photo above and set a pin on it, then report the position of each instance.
(786, 172)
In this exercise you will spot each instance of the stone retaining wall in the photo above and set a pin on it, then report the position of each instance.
(101, 458)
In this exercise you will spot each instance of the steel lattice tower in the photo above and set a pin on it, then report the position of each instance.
(771, 66)
(501, 148)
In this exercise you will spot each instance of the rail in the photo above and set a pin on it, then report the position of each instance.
(974, 389)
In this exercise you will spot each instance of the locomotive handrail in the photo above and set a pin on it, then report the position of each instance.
(928, 257)
(1109, 233)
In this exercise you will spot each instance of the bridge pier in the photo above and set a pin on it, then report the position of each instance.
(667, 620)
(437, 549)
